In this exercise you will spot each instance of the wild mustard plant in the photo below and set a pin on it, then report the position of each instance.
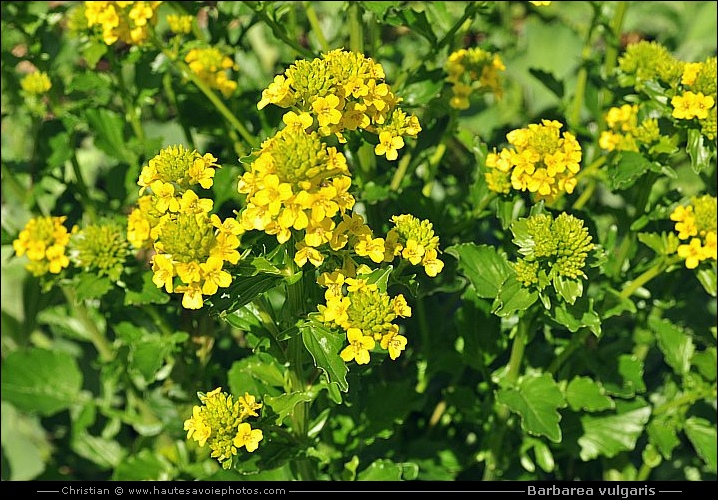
(100, 248)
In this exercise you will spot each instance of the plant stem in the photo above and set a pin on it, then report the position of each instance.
(187, 72)
(356, 34)
(94, 334)
(648, 275)
(316, 28)
(573, 114)
(513, 369)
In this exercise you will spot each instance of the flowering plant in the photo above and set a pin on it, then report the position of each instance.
(440, 241)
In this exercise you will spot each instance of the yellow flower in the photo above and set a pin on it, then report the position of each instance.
(36, 83)
(247, 437)
(389, 145)
(358, 348)
(394, 343)
(692, 253)
(691, 105)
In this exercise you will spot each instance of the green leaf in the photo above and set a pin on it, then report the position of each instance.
(569, 289)
(549, 81)
(243, 290)
(698, 150)
(705, 361)
(536, 398)
(25, 444)
(105, 453)
(702, 435)
(283, 405)
(149, 293)
(261, 367)
(676, 345)
(108, 128)
(630, 167)
(92, 286)
(707, 278)
(610, 435)
(38, 380)
(386, 470)
(583, 393)
(580, 315)
(143, 466)
(513, 297)
(324, 346)
(484, 266)
(663, 433)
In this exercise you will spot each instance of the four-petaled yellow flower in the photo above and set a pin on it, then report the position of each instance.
(389, 145)
(691, 105)
(358, 348)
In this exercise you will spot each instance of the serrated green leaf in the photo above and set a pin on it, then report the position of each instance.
(324, 346)
(577, 316)
(386, 470)
(705, 361)
(676, 345)
(283, 405)
(536, 398)
(702, 435)
(698, 150)
(513, 297)
(569, 289)
(663, 433)
(583, 393)
(108, 128)
(38, 380)
(615, 433)
(630, 167)
(92, 286)
(484, 266)
(243, 290)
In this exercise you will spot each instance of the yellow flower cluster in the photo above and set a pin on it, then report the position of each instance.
(343, 91)
(297, 183)
(36, 83)
(624, 133)
(690, 105)
(220, 423)
(472, 70)
(365, 313)
(696, 222)
(191, 245)
(126, 22)
(180, 24)
(44, 240)
(543, 161)
(211, 66)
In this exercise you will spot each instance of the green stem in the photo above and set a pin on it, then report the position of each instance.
(513, 369)
(644, 472)
(684, 400)
(400, 172)
(573, 116)
(278, 30)
(316, 28)
(648, 275)
(356, 33)
(94, 334)
(576, 341)
(611, 55)
(186, 71)
(434, 161)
